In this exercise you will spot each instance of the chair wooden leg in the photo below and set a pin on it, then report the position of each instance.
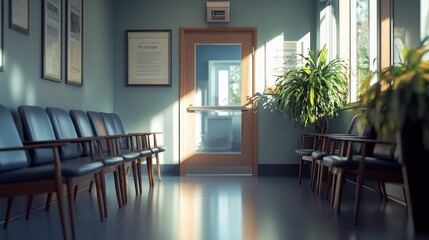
(338, 190)
(135, 177)
(48, 202)
(300, 169)
(90, 186)
(99, 195)
(358, 198)
(70, 192)
(313, 175)
(139, 175)
(117, 186)
(149, 165)
(158, 166)
(60, 196)
(76, 188)
(125, 183)
(333, 187)
(29, 205)
(9, 208)
(102, 176)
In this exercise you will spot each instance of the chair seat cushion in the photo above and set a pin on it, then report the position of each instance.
(28, 174)
(154, 150)
(161, 148)
(80, 167)
(130, 155)
(371, 163)
(304, 151)
(111, 160)
(318, 155)
(145, 152)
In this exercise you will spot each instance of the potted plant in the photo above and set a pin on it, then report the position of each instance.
(399, 101)
(311, 93)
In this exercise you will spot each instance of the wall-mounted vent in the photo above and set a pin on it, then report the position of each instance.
(217, 11)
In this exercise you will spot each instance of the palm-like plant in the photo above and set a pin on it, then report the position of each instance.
(313, 92)
(402, 92)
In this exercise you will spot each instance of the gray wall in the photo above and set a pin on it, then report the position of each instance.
(21, 81)
(156, 108)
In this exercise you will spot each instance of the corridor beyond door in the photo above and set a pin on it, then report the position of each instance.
(217, 116)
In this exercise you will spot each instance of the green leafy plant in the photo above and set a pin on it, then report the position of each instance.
(314, 92)
(400, 92)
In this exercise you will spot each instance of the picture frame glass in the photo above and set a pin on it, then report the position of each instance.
(74, 42)
(19, 16)
(149, 57)
(52, 40)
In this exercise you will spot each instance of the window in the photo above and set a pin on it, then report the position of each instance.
(358, 40)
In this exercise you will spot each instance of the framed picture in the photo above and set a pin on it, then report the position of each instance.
(52, 39)
(74, 42)
(1, 35)
(148, 57)
(18, 16)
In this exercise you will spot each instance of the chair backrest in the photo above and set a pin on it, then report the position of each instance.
(386, 152)
(64, 129)
(114, 127)
(83, 128)
(98, 126)
(82, 123)
(9, 137)
(360, 127)
(37, 127)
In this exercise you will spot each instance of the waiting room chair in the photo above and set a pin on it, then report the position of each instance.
(130, 157)
(75, 169)
(126, 144)
(64, 127)
(358, 128)
(379, 165)
(20, 175)
(144, 140)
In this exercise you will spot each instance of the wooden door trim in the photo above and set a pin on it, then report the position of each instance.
(182, 106)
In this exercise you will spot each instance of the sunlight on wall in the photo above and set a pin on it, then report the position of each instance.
(280, 54)
(19, 89)
(328, 32)
(424, 23)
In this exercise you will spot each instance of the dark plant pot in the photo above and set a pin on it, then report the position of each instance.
(415, 160)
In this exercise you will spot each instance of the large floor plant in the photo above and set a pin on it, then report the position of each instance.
(314, 92)
(399, 102)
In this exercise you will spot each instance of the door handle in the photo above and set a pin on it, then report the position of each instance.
(192, 108)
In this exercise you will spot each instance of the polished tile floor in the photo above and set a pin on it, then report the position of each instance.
(223, 208)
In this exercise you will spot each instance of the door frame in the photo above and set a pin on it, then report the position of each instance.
(183, 105)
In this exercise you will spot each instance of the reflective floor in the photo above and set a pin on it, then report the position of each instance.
(224, 208)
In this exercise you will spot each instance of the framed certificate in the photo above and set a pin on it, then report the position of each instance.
(149, 57)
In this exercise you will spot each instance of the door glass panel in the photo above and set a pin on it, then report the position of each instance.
(218, 84)
(218, 131)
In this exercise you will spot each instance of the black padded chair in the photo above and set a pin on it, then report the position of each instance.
(75, 169)
(65, 128)
(130, 157)
(358, 128)
(127, 143)
(19, 175)
(104, 148)
(379, 164)
(314, 146)
(144, 141)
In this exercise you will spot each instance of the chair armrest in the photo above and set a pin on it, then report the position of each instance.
(36, 144)
(361, 139)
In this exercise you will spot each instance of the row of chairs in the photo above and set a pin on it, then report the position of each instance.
(70, 148)
(359, 154)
